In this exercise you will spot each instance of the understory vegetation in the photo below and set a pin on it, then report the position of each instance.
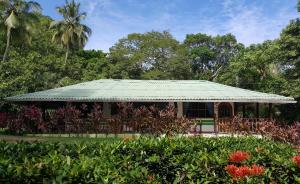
(143, 120)
(151, 160)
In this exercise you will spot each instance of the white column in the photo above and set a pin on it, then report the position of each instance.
(216, 109)
(179, 109)
(106, 109)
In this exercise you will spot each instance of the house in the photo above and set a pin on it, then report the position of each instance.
(208, 102)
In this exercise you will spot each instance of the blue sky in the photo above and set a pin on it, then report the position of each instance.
(251, 21)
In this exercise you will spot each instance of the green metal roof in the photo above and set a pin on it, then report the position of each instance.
(109, 90)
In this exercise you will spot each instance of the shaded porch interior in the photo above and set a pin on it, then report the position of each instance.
(207, 116)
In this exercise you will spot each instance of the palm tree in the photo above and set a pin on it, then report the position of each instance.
(69, 32)
(19, 18)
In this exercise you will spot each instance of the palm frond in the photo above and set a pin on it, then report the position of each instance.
(12, 21)
(70, 32)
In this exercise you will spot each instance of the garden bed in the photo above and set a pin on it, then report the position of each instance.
(150, 160)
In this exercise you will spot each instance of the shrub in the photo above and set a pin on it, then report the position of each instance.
(71, 119)
(148, 160)
(270, 129)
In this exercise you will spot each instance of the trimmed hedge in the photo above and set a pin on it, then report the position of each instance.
(145, 160)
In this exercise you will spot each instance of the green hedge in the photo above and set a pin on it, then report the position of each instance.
(144, 160)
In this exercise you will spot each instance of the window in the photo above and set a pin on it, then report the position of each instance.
(198, 110)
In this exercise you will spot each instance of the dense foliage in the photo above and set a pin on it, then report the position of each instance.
(272, 66)
(266, 128)
(151, 160)
(72, 119)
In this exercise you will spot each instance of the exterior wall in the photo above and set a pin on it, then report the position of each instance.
(216, 108)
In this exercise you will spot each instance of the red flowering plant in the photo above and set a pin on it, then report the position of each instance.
(244, 171)
(257, 170)
(296, 159)
(238, 156)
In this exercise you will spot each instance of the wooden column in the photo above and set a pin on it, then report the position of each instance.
(43, 108)
(244, 110)
(257, 110)
(179, 109)
(270, 110)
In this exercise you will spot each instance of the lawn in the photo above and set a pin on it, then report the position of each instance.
(149, 160)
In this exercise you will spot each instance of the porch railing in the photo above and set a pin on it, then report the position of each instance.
(230, 125)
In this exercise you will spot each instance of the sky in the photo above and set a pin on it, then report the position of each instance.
(251, 21)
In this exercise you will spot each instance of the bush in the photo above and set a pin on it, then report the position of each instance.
(270, 129)
(72, 119)
(151, 160)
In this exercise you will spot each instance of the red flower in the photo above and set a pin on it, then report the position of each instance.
(296, 159)
(257, 170)
(231, 169)
(244, 171)
(239, 156)
(238, 172)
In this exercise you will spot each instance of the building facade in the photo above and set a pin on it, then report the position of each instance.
(195, 99)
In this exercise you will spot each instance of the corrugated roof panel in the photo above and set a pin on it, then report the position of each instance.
(151, 90)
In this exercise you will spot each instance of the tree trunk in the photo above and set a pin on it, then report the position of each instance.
(7, 44)
(215, 75)
(66, 56)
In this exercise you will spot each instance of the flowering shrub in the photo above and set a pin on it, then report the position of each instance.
(257, 170)
(238, 156)
(244, 171)
(148, 160)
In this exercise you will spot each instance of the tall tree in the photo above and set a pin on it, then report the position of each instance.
(152, 55)
(290, 54)
(209, 55)
(256, 67)
(70, 32)
(19, 18)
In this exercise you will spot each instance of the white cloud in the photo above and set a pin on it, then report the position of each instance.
(247, 21)
(251, 25)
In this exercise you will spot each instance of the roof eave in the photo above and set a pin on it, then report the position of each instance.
(275, 101)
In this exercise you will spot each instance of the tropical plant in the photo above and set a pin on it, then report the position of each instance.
(150, 160)
(19, 18)
(70, 32)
